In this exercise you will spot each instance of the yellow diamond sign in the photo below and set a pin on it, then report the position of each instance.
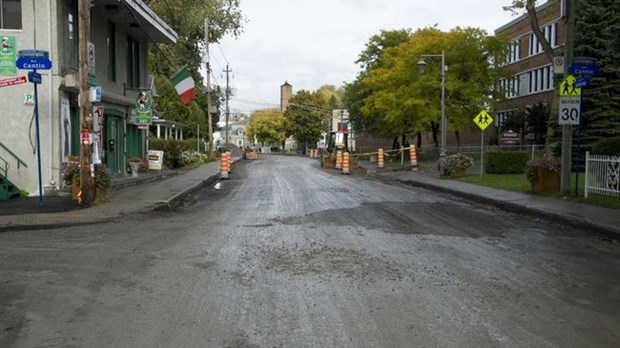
(483, 120)
(568, 87)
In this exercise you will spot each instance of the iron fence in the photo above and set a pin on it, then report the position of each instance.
(602, 175)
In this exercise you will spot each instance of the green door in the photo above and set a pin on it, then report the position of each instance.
(114, 144)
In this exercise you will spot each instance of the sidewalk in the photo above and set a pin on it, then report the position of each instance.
(130, 196)
(589, 217)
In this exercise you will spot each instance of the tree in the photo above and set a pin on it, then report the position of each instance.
(267, 126)
(536, 116)
(401, 101)
(596, 35)
(305, 124)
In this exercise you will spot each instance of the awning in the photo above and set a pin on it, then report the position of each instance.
(140, 19)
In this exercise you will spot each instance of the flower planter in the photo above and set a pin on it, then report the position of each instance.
(459, 173)
(135, 167)
(546, 181)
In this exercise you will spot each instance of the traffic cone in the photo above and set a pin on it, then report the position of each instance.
(413, 157)
(338, 159)
(345, 163)
(229, 156)
(380, 159)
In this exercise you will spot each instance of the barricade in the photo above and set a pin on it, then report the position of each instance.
(338, 159)
(229, 155)
(224, 166)
(413, 157)
(345, 163)
(380, 163)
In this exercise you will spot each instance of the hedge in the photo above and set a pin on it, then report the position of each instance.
(172, 149)
(505, 162)
(609, 147)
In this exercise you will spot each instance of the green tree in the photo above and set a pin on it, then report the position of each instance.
(536, 116)
(307, 123)
(267, 126)
(596, 35)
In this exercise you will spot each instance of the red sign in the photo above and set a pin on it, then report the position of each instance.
(510, 138)
(13, 81)
(85, 138)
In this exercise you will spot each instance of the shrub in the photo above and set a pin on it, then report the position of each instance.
(545, 162)
(505, 162)
(456, 163)
(189, 157)
(609, 147)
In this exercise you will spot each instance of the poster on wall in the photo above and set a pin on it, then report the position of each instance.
(65, 135)
(8, 56)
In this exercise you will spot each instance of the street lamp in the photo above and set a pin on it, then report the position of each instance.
(421, 66)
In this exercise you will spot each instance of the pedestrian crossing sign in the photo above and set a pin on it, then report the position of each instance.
(483, 120)
(568, 87)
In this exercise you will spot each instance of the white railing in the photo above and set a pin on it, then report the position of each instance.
(602, 175)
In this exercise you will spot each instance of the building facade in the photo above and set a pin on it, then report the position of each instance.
(532, 81)
(120, 33)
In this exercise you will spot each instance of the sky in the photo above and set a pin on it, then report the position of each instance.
(313, 43)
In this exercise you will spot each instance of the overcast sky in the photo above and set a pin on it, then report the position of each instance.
(313, 43)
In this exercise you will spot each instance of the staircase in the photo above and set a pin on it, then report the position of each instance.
(7, 189)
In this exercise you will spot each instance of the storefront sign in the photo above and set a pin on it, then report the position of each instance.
(7, 56)
(156, 159)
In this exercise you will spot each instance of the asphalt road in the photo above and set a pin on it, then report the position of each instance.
(286, 254)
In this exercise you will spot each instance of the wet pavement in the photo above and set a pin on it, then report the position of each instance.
(152, 191)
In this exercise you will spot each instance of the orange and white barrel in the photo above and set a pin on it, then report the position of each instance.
(229, 156)
(413, 156)
(338, 160)
(224, 165)
(345, 163)
(380, 163)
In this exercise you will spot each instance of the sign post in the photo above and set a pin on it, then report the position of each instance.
(482, 120)
(33, 60)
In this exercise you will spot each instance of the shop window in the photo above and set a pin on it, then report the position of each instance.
(10, 14)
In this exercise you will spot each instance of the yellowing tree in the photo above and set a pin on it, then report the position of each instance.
(266, 126)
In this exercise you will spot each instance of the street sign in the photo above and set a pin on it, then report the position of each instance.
(34, 77)
(13, 81)
(568, 88)
(33, 63)
(558, 65)
(483, 120)
(28, 99)
(85, 138)
(583, 69)
(570, 111)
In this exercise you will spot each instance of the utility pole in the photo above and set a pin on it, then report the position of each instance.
(227, 109)
(86, 168)
(209, 118)
(567, 130)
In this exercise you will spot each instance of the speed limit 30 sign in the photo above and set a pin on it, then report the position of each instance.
(570, 110)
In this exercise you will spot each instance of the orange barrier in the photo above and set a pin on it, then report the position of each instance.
(413, 157)
(380, 163)
(229, 155)
(345, 163)
(338, 160)
(224, 166)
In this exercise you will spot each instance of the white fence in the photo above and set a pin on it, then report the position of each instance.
(602, 175)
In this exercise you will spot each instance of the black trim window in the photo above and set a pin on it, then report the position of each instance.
(111, 51)
(133, 62)
(10, 14)
(73, 33)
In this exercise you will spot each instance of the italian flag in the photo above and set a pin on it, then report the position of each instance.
(184, 84)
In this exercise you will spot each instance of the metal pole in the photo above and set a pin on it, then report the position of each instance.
(36, 118)
(443, 105)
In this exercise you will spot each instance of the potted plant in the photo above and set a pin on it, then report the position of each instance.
(543, 173)
(135, 163)
(71, 176)
(103, 183)
(455, 165)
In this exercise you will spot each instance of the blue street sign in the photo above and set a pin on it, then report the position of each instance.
(33, 54)
(33, 63)
(580, 83)
(583, 69)
(34, 77)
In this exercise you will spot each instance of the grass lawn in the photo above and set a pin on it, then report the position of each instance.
(518, 183)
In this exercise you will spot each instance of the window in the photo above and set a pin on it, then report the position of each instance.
(551, 34)
(510, 87)
(540, 80)
(111, 42)
(513, 52)
(503, 116)
(133, 62)
(10, 14)
(73, 34)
